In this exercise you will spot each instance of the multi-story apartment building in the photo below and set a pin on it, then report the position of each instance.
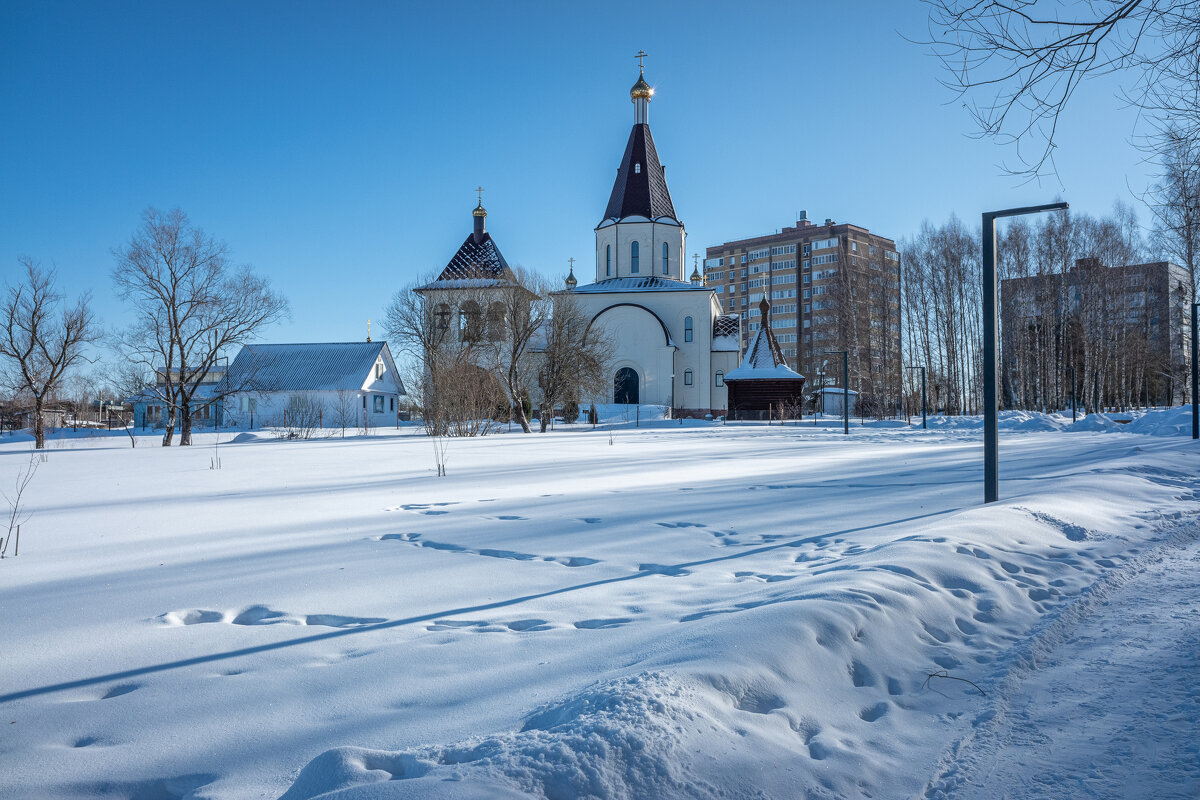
(1125, 330)
(832, 287)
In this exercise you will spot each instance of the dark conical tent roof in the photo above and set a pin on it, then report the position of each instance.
(641, 186)
(477, 258)
(764, 360)
(477, 262)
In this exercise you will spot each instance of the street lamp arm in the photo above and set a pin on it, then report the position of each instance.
(1017, 212)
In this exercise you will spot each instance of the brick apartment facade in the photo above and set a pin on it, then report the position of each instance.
(1135, 307)
(834, 286)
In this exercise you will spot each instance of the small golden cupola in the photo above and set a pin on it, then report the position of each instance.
(641, 93)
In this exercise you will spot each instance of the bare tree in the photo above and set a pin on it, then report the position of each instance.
(42, 338)
(447, 333)
(1027, 58)
(516, 312)
(575, 358)
(344, 410)
(18, 515)
(192, 305)
(1174, 200)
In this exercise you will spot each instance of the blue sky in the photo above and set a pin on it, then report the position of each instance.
(336, 146)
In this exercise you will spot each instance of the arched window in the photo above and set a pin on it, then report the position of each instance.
(607, 260)
(666, 257)
(720, 378)
(470, 321)
(687, 329)
(495, 322)
(634, 260)
(637, 168)
(687, 377)
(442, 317)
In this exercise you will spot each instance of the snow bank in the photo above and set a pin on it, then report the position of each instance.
(1174, 421)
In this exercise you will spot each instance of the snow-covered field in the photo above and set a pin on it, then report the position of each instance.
(666, 611)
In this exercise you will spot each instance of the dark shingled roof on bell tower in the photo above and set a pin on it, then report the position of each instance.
(477, 258)
(641, 193)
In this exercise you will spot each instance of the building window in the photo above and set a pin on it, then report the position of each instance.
(391, 404)
(378, 404)
(687, 377)
(378, 371)
(637, 168)
(634, 258)
(666, 257)
(687, 329)
(607, 260)
(720, 380)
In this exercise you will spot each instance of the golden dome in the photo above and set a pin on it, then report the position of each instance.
(479, 211)
(641, 89)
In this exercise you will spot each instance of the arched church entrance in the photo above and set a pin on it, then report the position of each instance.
(625, 386)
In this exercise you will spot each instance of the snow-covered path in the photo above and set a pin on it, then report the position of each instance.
(1109, 712)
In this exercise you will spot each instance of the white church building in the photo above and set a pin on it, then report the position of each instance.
(673, 346)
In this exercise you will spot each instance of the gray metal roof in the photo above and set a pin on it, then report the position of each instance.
(313, 367)
(639, 285)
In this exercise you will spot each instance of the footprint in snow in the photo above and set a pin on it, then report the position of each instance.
(264, 615)
(874, 713)
(597, 624)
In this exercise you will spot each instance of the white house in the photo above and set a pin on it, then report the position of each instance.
(672, 344)
(349, 381)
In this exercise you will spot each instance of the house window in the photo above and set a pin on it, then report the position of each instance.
(391, 404)
(607, 260)
(637, 168)
(378, 371)
(666, 258)
(378, 404)
(687, 329)
(687, 377)
(720, 381)
(634, 258)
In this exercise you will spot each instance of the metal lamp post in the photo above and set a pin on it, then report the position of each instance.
(845, 388)
(924, 422)
(1195, 369)
(1072, 371)
(991, 443)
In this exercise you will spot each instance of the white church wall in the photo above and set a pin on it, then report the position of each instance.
(650, 237)
(639, 343)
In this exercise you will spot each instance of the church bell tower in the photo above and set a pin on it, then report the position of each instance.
(640, 236)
